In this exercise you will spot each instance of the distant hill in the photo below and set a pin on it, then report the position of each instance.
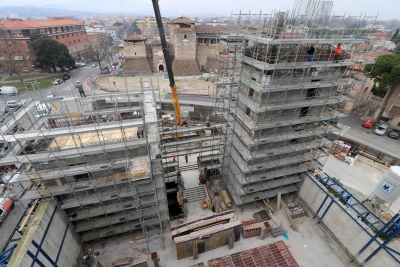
(28, 12)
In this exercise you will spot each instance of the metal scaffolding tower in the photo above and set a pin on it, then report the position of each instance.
(97, 157)
(284, 102)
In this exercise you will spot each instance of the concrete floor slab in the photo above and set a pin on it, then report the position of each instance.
(310, 246)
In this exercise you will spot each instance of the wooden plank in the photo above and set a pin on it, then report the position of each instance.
(269, 207)
(58, 181)
(292, 222)
(42, 185)
(26, 219)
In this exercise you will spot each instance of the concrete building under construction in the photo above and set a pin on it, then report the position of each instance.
(108, 165)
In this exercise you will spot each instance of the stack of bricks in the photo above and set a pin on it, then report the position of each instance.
(271, 255)
(247, 231)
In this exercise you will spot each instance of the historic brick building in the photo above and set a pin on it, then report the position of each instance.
(192, 50)
(70, 32)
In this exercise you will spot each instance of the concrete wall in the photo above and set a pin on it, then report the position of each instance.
(48, 237)
(350, 231)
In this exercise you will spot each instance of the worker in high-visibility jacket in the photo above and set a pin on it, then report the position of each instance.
(338, 53)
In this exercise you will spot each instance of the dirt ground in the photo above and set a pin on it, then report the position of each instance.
(195, 86)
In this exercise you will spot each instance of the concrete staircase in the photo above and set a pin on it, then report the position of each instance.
(194, 194)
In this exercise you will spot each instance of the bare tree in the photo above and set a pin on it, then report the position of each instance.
(12, 54)
(100, 48)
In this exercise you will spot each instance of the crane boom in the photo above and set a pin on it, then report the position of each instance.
(174, 89)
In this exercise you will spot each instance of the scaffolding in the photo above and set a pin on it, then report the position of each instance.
(98, 158)
(285, 101)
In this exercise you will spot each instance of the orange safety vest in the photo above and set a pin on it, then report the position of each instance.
(338, 50)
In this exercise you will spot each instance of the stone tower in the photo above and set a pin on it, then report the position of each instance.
(183, 40)
(136, 56)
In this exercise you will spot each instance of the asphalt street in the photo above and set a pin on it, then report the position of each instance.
(66, 89)
(352, 129)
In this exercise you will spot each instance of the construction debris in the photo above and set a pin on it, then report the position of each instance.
(277, 231)
(261, 216)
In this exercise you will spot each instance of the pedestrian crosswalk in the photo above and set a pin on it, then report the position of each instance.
(340, 129)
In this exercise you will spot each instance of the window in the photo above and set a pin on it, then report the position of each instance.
(184, 36)
(251, 92)
(50, 30)
(74, 42)
(22, 65)
(213, 41)
(79, 40)
(63, 36)
(312, 93)
(248, 111)
(304, 111)
(57, 37)
(365, 90)
(398, 124)
(201, 40)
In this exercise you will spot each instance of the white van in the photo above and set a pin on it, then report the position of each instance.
(8, 90)
(43, 109)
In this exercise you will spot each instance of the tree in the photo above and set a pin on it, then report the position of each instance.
(133, 29)
(117, 24)
(50, 53)
(386, 72)
(101, 49)
(12, 54)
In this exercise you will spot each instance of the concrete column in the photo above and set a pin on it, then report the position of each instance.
(264, 232)
(278, 201)
(195, 252)
(231, 241)
(178, 178)
(184, 208)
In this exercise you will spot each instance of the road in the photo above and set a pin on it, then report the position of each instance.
(351, 128)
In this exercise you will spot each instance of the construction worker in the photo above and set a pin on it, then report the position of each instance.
(338, 53)
(186, 158)
(80, 89)
(310, 53)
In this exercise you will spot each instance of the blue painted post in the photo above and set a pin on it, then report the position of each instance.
(377, 235)
(323, 202)
(381, 246)
(329, 206)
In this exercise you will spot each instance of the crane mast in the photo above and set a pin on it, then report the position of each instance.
(174, 89)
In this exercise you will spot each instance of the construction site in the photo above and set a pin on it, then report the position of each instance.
(138, 177)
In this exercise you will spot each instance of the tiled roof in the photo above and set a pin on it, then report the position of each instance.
(32, 24)
(181, 20)
(135, 37)
(210, 29)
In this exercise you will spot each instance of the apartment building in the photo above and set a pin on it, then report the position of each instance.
(70, 32)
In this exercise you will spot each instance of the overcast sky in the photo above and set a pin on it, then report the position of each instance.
(387, 9)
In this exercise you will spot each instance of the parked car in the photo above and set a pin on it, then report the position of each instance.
(368, 124)
(14, 104)
(6, 205)
(81, 64)
(57, 81)
(115, 63)
(43, 109)
(8, 90)
(394, 134)
(94, 65)
(66, 76)
(50, 94)
(381, 129)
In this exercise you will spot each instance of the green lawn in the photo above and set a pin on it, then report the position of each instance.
(44, 82)
(28, 76)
